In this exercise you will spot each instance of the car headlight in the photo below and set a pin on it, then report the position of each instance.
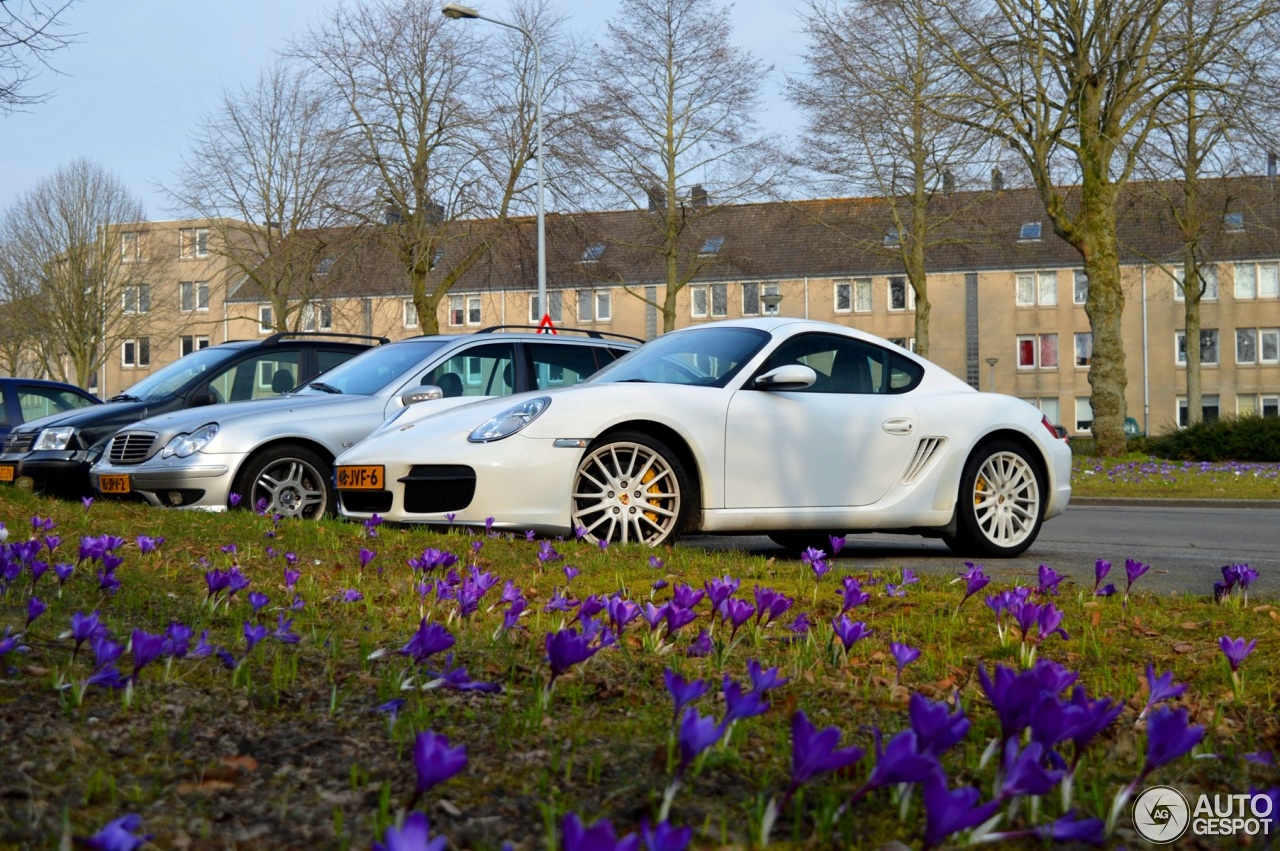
(510, 421)
(54, 438)
(189, 444)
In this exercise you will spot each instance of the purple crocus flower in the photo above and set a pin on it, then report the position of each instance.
(1133, 570)
(837, 544)
(936, 728)
(147, 647)
(511, 617)
(351, 595)
(107, 581)
(371, 525)
(849, 631)
(678, 616)
(257, 600)
(36, 608)
(148, 544)
(658, 584)
(1234, 649)
(701, 645)
(719, 590)
(900, 762)
(366, 556)
(817, 561)
(1049, 581)
(851, 594)
(63, 571)
(233, 499)
(770, 605)
(177, 640)
(1160, 688)
(1024, 771)
(598, 837)
(87, 502)
(284, 630)
(434, 761)
(291, 578)
(664, 837)
(949, 811)
(428, 640)
(459, 680)
(903, 655)
(567, 648)
(763, 680)
(570, 572)
(1100, 570)
(1048, 623)
(1169, 737)
(696, 735)
(656, 563)
(686, 596)
(975, 580)
(654, 615)
(736, 612)
(740, 704)
(252, 635)
(119, 834)
(800, 625)
(621, 612)
(683, 692)
(413, 835)
(815, 751)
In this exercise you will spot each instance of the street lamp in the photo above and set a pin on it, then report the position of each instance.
(771, 301)
(456, 12)
(991, 362)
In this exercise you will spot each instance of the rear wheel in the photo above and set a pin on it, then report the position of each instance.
(290, 480)
(630, 488)
(1000, 503)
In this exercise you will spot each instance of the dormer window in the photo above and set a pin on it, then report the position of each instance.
(1029, 232)
(323, 267)
(593, 252)
(1233, 222)
(891, 237)
(712, 245)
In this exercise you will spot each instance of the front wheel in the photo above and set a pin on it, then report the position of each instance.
(630, 488)
(288, 480)
(1000, 503)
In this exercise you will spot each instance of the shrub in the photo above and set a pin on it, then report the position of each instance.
(1249, 438)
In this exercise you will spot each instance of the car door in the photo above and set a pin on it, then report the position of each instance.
(255, 377)
(471, 373)
(842, 442)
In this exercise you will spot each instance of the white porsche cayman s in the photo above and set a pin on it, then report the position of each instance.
(791, 428)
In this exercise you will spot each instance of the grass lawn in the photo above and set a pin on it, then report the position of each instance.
(305, 723)
(1143, 476)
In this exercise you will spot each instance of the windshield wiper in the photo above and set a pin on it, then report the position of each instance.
(634, 381)
(124, 397)
(328, 388)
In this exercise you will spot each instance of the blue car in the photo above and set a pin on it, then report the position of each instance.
(26, 399)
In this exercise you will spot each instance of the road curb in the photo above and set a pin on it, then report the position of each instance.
(1158, 502)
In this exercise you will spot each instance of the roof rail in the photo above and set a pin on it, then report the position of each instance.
(275, 338)
(589, 332)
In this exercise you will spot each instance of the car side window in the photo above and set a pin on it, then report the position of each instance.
(259, 377)
(562, 365)
(847, 365)
(37, 402)
(327, 359)
(485, 370)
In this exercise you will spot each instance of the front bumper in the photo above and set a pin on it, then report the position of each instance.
(61, 472)
(173, 482)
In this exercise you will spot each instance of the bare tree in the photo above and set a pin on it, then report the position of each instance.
(18, 300)
(672, 128)
(877, 94)
(268, 162)
(1082, 82)
(72, 240)
(1211, 127)
(428, 132)
(30, 30)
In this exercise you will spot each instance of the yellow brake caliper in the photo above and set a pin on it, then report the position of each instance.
(649, 476)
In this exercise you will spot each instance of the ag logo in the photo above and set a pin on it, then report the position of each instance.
(1161, 814)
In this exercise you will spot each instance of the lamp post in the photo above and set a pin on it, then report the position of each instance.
(991, 362)
(771, 302)
(457, 11)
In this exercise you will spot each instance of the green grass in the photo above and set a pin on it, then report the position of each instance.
(1148, 477)
(288, 751)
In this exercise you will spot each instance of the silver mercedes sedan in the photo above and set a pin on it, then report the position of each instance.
(276, 455)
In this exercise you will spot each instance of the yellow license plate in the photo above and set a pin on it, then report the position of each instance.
(6, 472)
(113, 484)
(360, 478)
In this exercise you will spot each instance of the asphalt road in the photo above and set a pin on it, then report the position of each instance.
(1185, 546)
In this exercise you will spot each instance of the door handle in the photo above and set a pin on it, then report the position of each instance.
(898, 425)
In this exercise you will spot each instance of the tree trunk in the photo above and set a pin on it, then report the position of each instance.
(1105, 309)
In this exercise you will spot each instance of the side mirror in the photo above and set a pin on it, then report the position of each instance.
(792, 376)
(425, 393)
(202, 399)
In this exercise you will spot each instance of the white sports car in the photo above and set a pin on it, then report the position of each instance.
(792, 428)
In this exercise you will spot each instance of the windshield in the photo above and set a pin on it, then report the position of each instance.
(171, 379)
(370, 371)
(704, 356)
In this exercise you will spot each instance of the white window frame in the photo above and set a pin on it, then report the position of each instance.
(1263, 281)
(136, 299)
(908, 343)
(1252, 335)
(908, 290)
(1272, 336)
(137, 361)
(709, 294)
(130, 246)
(1078, 295)
(1037, 343)
(751, 303)
(1210, 272)
(1085, 337)
(317, 316)
(1036, 289)
(1180, 408)
(198, 342)
(842, 289)
(199, 296)
(555, 300)
(193, 243)
(769, 289)
(457, 312)
(475, 310)
(604, 306)
(699, 302)
(409, 313)
(863, 295)
(265, 319)
(1084, 413)
(1050, 406)
(1180, 347)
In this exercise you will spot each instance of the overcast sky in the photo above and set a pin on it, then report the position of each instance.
(145, 71)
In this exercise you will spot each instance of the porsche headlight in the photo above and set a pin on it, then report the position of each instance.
(54, 438)
(189, 444)
(510, 421)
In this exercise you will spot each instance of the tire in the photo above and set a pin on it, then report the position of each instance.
(630, 488)
(1001, 502)
(798, 542)
(295, 482)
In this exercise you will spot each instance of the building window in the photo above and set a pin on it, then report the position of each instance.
(1208, 278)
(1208, 409)
(136, 353)
(1208, 346)
(594, 306)
(130, 247)
(891, 238)
(411, 313)
(1038, 351)
(593, 252)
(317, 317)
(1084, 349)
(711, 300)
(1030, 232)
(1250, 405)
(1036, 288)
(193, 295)
(1048, 406)
(554, 303)
(751, 299)
(712, 246)
(1247, 345)
(1257, 280)
(266, 324)
(1080, 287)
(1084, 413)
(908, 343)
(844, 297)
(1233, 222)
(193, 242)
(901, 295)
(137, 299)
(475, 311)
(192, 343)
(862, 299)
